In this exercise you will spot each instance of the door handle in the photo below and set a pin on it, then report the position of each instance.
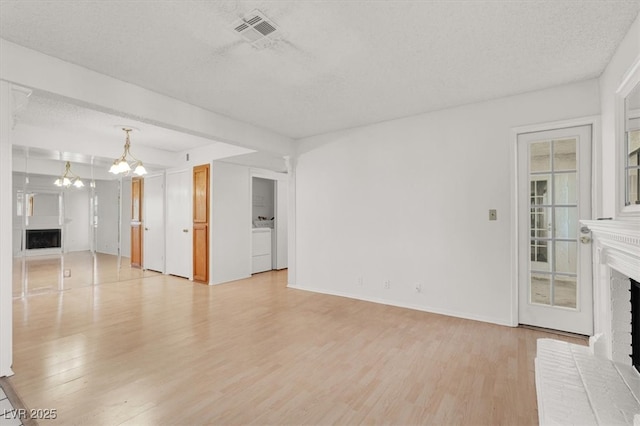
(185, 230)
(146, 229)
(585, 240)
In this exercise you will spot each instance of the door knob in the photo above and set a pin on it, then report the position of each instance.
(146, 229)
(585, 240)
(185, 230)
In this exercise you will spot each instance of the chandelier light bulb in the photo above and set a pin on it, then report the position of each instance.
(140, 170)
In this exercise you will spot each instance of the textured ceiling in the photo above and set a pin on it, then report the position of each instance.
(341, 63)
(55, 114)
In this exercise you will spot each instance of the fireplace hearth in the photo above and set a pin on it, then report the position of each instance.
(43, 238)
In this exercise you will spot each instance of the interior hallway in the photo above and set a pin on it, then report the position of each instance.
(162, 350)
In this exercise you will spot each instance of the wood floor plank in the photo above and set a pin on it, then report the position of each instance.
(161, 350)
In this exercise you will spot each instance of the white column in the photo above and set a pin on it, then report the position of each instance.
(6, 227)
(291, 213)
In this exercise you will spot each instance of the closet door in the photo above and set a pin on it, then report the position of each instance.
(136, 222)
(154, 223)
(201, 223)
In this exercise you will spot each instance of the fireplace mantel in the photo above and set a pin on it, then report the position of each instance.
(617, 244)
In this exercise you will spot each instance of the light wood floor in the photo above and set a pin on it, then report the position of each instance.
(42, 274)
(162, 350)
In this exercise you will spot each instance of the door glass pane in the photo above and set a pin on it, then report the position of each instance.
(565, 291)
(541, 222)
(540, 189)
(540, 156)
(566, 220)
(540, 288)
(565, 188)
(553, 214)
(540, 255)
(565, 256)
(633, 185)
(564, 155)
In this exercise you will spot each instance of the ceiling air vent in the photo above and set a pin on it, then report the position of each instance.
(257, 29)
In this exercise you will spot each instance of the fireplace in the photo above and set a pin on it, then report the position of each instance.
(599, 384)
(43, 238)
(616, 247)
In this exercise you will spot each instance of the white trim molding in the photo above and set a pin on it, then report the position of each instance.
(616, 246)
(6, 220)
(630, 81)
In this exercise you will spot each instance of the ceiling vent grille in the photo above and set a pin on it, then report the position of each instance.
(257, 29)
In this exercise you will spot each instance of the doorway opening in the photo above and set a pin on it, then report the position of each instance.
(268, 224)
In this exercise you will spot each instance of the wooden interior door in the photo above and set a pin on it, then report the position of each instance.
(137, 186)
(201, 223)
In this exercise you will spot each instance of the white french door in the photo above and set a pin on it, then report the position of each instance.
(554, 252)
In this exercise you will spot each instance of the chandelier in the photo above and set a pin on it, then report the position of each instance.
(68, 178)
(125, 163)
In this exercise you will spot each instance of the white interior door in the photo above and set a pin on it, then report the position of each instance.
(179, 223)
(153, 210)
(554, 256)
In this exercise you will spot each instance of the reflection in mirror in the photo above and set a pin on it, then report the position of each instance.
(632, 151)
(67, 237)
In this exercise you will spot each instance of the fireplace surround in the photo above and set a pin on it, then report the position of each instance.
(616, 250)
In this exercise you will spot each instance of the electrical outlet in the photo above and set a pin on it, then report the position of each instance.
(419, 287)
(360, 281)
(387, 284)
(67, 273)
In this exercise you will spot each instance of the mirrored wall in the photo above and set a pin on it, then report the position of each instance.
(69, 233)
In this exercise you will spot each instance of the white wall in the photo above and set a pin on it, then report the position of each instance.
(230, 235)
(626, 55)
(263, 198)
(107, 212)
(407, 201)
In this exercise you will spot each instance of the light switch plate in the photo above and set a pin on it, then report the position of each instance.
(493, 214)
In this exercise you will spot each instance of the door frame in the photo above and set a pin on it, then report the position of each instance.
(279, 224)
(596, 192)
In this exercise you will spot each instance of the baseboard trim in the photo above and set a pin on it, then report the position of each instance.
(428, 309)
(16, 402)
